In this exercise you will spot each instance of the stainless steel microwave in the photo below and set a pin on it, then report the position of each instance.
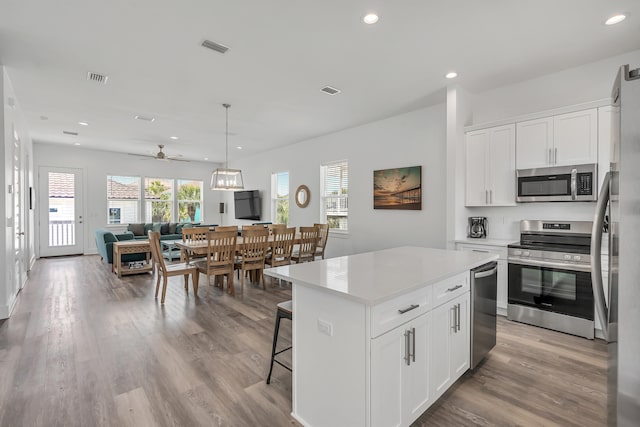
(558, 184)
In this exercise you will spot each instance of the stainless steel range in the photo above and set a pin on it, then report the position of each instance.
(550, 276)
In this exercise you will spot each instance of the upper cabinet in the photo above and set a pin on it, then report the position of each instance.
(490, 155)
(566, 139)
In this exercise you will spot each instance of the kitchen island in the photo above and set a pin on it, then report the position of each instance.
(378, 336)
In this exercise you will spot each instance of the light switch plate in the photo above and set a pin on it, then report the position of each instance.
(325, 327)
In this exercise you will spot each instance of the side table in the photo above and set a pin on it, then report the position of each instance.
(131, 247)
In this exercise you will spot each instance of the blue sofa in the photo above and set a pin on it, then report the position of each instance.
(141, 231)
(104, 243)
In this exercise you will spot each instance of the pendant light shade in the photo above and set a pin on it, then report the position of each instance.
(225, 178)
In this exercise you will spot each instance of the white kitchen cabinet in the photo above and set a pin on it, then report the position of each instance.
(566, 139)
(490, 170)
(479, 245)
(450, 329)
(400, 389)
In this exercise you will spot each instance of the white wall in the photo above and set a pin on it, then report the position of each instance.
(590, 82)
(411, 139)
(12, 120)
(96, 165)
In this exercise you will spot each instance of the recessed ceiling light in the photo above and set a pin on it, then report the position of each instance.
(83, 123)
(76, 143)
(206, 158)
(174, 138)
(239, 147)
(451, 75)
(370, 18)
(144, 118)
(615, 19)
(329, 90)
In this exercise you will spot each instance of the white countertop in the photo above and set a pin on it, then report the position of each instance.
(488, 242)
(374, 277)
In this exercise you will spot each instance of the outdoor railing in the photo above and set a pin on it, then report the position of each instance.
(62, 233)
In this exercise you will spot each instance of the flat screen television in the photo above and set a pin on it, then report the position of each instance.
(247, 204)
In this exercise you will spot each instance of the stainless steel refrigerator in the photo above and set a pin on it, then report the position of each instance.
(620, 200)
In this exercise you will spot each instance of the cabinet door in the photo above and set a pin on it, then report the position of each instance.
(417, 395)
(534, 143)
(575, 138)
(477, 143)
(460, 339)
(501, 169)
(442, 321)
(387, 364)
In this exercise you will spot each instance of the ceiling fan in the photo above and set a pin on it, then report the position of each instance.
(161, 155)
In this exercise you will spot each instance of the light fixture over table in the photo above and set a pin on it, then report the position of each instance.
(225, 178)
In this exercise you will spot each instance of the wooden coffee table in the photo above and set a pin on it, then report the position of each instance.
(131, 247)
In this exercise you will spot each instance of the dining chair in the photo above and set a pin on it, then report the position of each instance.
(323, 236)
(226, 228)
(194, 235)
(306, 250)
(165, 271)
(255, 242)
(281, 248)
(220, 257)
(272, 227)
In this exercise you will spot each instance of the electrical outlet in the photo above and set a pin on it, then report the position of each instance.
(325, 327)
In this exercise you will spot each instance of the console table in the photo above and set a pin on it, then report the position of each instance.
(131, 247)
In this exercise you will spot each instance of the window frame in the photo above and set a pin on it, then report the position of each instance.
(324, 196)
(138, 200)
(178, 201)
(275, 199)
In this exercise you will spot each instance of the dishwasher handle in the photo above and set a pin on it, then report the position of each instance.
(486, 273)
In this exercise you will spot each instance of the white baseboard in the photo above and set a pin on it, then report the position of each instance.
(6, 310)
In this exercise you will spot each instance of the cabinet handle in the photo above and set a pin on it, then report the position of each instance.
(458, 322)
(454, 288)
(413, 341)
(486, 197)
(411, 307)
(555, 156)
(407, 356)
(479, 250)
(549, 157)
(455, 317)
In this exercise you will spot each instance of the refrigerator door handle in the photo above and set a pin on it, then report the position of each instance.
(596, 262)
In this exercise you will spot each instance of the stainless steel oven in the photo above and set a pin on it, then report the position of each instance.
(550, 277)
(557, 184)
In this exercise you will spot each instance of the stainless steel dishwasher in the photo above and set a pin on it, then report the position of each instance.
(484, 283)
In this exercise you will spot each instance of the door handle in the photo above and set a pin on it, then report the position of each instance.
(490, 197)
(413, 342)
(458, 319)
(555, 156)
(574, 184)
(549, 157)
(20, 233)
(455, 317)
(407, 350)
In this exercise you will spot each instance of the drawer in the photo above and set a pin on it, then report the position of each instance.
(450, 288)
(498, 250)
(389, 314)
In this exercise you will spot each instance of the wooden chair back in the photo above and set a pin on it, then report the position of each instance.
(282, 246)
(273, 227)
(156, 250)
(323, 236)
(227, 228)
(194, 234)
(255, 242)
(222, 251)
(308, 243)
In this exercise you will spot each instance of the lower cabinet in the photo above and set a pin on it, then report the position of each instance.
(400, 389)
(450, 357)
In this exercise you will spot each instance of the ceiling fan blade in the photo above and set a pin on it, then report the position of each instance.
(142, 155)
(175, 159)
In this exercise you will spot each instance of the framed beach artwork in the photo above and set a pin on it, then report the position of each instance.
(399, 188)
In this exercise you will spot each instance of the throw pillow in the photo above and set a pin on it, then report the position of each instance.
(156, 227)
(164, 228)
(172, 227)
(137, 229)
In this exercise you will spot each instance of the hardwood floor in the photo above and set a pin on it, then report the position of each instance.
(84, 348)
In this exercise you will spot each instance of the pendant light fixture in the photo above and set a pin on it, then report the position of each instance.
(225, 178)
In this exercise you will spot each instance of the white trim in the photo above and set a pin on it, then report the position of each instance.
(541, 114)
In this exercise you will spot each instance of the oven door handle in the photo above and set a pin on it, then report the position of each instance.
(560, 265)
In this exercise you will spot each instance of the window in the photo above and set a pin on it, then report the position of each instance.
(123, 199)
(189, 201)
(280, 197)
(334, 178)
(158, 197)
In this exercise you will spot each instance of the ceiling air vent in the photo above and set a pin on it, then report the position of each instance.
(215, 46)
(144, 118)
(98, 78)
(68, 132)
(330, 90)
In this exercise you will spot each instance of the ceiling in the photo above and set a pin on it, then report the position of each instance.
(282, 52)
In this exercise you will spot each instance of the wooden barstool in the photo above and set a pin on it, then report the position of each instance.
(284, 310)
